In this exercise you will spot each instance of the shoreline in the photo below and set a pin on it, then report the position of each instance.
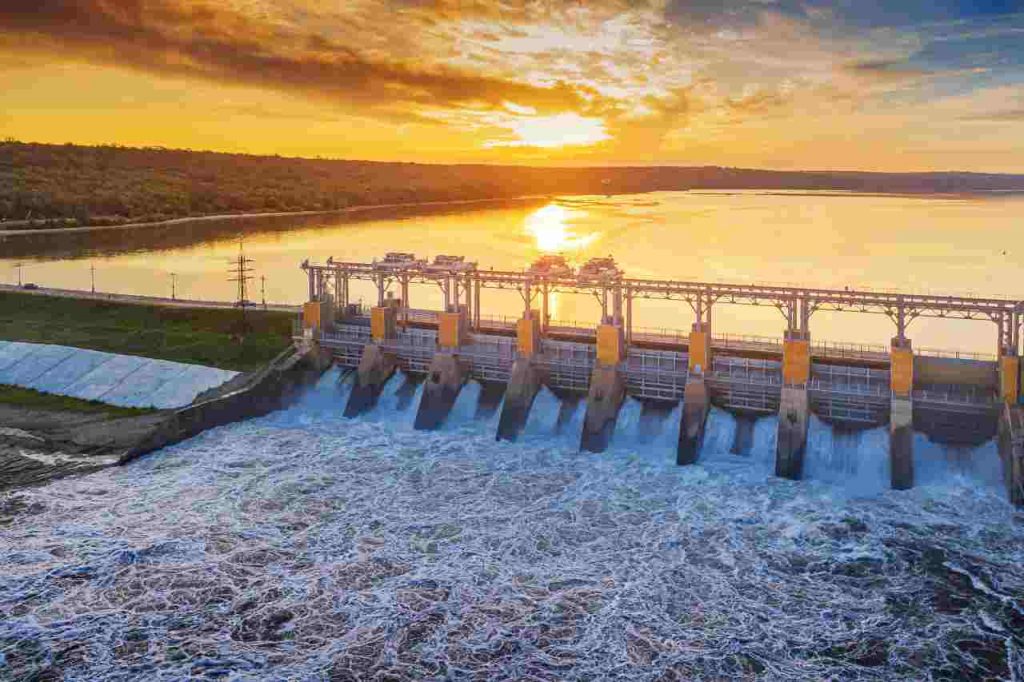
(362, 208)
(365, 208)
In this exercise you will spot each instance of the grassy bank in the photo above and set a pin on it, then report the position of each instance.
(197, 336)
(34, 400)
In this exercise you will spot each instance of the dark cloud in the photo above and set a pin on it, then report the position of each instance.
(215, 43)
(888, 70)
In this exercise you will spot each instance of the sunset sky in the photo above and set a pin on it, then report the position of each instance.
(855, 84)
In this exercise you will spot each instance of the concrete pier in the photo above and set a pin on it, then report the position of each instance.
(523, 385)
(1009, 376)
(445, 378)
(607, 391)
(383, 322)
(1011, 451)
(901, 419)
(524, 379)
(696, 404)
(794, 416)
(375, 368)
(696, 399)
(901, 444)
(794, 406)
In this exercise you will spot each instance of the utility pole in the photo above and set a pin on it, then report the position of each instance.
(18, 265)
(241, 273)
(92, 277)
(263, 290)
(174, 293)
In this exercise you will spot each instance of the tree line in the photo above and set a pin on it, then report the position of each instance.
(46, 185)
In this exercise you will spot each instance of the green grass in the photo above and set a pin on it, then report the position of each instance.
(203, 337)
(27, 398)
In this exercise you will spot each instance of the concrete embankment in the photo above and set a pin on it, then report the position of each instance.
(254, 396)
(122, 380)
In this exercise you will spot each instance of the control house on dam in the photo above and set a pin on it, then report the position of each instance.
(956, 398)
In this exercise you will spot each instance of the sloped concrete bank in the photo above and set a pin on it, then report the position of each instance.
(249, 396)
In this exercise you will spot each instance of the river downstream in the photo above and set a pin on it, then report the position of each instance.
(306, 546)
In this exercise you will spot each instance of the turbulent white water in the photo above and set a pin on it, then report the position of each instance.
(306, 546)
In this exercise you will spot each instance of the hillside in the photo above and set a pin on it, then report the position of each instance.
(46, 185)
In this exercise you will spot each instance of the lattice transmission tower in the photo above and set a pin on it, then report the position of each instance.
(241, 274)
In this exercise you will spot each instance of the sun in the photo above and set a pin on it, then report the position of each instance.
(546, 132)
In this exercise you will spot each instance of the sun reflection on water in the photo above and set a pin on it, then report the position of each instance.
(550, 228)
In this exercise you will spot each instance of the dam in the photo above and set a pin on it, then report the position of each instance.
(950, 397)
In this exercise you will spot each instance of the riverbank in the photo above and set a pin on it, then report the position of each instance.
(210, 336)
(51, 437)
(258, 215)
(45, 436)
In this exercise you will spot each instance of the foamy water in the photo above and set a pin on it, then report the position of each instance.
(306, 546)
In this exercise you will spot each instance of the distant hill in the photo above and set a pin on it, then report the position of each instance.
(72, 184)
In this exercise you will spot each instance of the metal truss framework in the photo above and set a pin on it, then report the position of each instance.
(616, 294)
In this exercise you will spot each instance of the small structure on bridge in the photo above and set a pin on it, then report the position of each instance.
(961, 399)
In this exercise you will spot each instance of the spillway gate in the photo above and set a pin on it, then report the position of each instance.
(954, 397)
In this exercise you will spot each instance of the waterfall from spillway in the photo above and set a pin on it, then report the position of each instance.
(855, 461)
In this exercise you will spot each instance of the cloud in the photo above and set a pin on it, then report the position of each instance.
(656, 76)
(1006, 115)
(216, 43)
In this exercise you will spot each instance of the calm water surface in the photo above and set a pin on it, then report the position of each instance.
(921, 244)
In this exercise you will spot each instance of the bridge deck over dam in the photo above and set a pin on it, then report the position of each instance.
(949, 396)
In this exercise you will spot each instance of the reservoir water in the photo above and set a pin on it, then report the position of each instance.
(305, 546)
(944, 244)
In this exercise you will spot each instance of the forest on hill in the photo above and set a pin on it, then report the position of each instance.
(44, 185)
